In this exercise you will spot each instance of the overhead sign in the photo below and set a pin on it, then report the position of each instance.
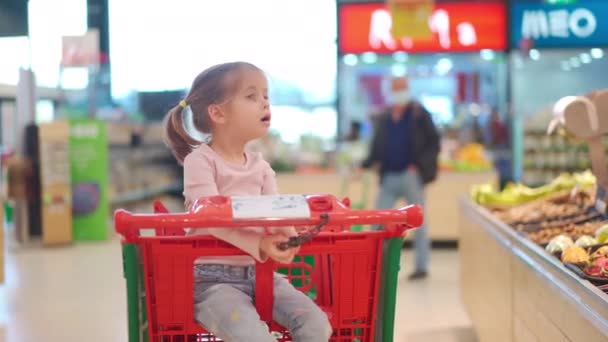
(570, 25)
(80, 51)
(457, 26)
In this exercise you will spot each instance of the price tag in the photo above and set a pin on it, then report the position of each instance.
(279, 206)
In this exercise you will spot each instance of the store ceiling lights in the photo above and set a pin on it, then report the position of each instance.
(350, 59)
(475, 109)
(534, 54)
(369, 57)
(444, 65)
(565, 66)
(400, 56)
(574, 62)
(585, 58)
(399, 70)
(487, 55)
(597, 53)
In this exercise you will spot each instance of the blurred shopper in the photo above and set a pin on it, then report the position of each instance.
(353, 149)
(499, 144)
(355, 131)
(405, 150)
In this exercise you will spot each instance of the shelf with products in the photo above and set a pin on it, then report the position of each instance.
(547, 156)
(141, 166)
(145, 194)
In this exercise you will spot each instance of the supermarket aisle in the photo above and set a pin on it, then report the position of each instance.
(431, 310)
(64, 294)
(77, 293)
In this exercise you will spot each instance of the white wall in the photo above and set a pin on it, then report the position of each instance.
(46, 32)
(13, 55)
(42, 51)
(159, 45)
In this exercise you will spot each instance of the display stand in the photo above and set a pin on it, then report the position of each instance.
(55, 187)
(512, 288)
(515, 291)
(89, 178)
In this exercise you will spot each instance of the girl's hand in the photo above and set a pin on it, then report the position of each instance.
(269, 247)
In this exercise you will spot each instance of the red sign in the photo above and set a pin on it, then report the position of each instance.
(462, 26)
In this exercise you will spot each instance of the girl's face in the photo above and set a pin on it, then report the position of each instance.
(248, 112)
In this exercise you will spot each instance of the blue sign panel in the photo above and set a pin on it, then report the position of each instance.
(583, 24)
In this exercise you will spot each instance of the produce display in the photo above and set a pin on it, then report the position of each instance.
(560, 216)
(586, 241)
(589, 262)
(517, 194)
(544, 236)
(469, 158)
(598, 265)
(559, 244)
(575, 254)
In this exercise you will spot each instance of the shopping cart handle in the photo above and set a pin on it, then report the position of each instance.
(217, 212)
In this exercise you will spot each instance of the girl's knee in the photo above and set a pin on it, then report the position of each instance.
(323, 330)
(326, 329)
(315, 326)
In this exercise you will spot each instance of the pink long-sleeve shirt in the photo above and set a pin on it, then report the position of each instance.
(207, 174)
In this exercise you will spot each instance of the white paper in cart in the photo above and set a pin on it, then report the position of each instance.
(275, 206)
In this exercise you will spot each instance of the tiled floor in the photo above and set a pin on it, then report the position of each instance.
(431, 310)
(77, 293)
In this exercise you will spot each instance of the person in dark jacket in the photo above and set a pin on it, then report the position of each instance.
(499, 144)
(405, 149)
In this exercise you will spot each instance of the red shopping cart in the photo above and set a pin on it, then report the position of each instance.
(351, 276)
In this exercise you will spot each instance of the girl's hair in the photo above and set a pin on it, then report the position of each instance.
(215, 85)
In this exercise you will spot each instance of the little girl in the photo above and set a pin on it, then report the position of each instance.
(230, 102)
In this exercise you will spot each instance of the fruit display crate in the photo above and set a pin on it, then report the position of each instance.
(589, 262)
(513, 289)
(565, 224)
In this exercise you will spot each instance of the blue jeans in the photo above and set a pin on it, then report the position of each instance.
(224, 305)
(407, 185)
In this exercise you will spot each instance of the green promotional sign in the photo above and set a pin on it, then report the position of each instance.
(89, 171)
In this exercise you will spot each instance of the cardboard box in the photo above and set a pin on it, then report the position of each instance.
(56, 191)
(19, 174)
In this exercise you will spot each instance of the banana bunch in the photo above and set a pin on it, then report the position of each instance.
(515, 193)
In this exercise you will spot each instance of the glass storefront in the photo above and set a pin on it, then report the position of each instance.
(446, 84)
(540, 78)
(558, 50)
(459, 72)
